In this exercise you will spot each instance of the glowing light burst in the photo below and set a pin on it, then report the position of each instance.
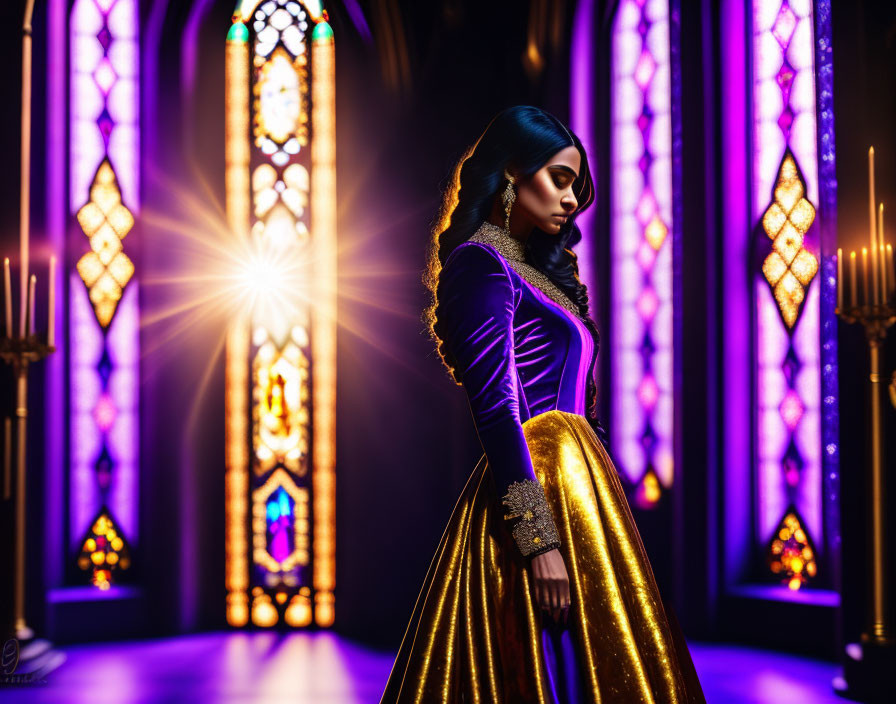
(272, 284)
(224, 278)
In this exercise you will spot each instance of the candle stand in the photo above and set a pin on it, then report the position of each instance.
(869, 673)
(20, 353)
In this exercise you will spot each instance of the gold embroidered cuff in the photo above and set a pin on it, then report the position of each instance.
(534, 531)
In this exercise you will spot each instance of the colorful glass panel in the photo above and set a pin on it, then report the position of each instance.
(103, 353)
(786, 288)
(641, 248)
(790, 554)
(104, 551)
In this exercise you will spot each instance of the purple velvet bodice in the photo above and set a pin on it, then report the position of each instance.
(517, 351)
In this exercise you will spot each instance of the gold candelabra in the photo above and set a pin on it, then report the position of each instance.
(876, 319)
(866, 294)
(22, 348)
(869, 300)
(20, 352)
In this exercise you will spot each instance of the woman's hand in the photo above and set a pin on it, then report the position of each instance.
(551, 584)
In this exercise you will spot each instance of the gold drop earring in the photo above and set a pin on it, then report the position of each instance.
(508, 197)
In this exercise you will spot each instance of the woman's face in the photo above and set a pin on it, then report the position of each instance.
(546, 198)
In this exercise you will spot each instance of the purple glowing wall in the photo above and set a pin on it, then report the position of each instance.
(103, 354)
(641, 345)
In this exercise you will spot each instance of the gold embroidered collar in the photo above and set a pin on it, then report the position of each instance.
(514, 251)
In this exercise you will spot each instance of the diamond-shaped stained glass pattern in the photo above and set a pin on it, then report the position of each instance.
(648, 439)
(785, 121)
(106, 269)
(643, 26)
(648, 304)
(646, 255)
(804, 267)
(791, 409)
(648, 392)
(645, 69)
(645, 161)
(647, 347)
(791, 366)
(103, 550)
(790, 553)
(789, 296)
(790, 267)
(104, 367)
(106, 124)
(773, 268)
(104, 413)
(785, 24)
(104, 75)
(644, 123)
(792, 465)
(784, 79)
(788, 242)
(646, 207)
(103, 468)
(656, 232)
(104, 37)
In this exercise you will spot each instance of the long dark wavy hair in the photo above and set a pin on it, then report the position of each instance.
(523, 137)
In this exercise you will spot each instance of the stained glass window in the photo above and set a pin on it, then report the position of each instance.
(280, 193)
(787, 291)
(103, 297)
(641, 249)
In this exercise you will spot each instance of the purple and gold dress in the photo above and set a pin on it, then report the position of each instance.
(477, 633)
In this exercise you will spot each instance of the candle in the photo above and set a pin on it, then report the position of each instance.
(874, 271)
(7, 295)
(873, 225)
(31, 285)
(867, 299)
(891, 272)
(853, 288)
(23, 258)
(881, 255)
(51, 313)
(840, 279)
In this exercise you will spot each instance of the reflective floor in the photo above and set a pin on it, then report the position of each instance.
(322, 668)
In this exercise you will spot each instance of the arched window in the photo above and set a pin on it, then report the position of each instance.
(280, 434)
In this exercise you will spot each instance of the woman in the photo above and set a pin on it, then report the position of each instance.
(540, 589)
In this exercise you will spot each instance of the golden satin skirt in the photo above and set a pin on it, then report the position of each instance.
(476, 631)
